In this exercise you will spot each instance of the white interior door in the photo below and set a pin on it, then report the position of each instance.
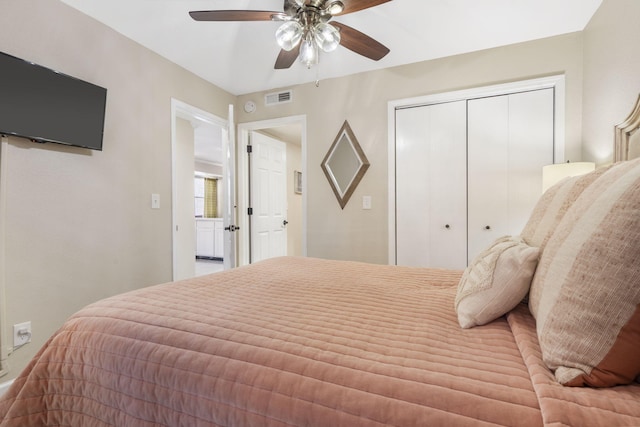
(268, 197)
(431, 223)
(229, 180)
(488, 144)
(511, 137)
(531, 146)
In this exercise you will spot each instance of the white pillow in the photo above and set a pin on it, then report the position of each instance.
(496, 281)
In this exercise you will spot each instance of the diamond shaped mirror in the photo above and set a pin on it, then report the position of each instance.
(345, 164)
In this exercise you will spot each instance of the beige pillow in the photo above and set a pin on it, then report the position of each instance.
(585, 295)
(496, 281)
(552, 206)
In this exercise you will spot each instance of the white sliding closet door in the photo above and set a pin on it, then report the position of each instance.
(431, 211)
(510, 139)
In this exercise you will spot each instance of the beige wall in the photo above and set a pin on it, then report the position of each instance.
(611, 74)
(362, 99)
(78, 223)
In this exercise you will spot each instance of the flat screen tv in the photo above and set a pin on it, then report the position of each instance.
(47, 106)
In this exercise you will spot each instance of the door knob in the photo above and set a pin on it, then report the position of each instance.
(488, 227)
(447, 226)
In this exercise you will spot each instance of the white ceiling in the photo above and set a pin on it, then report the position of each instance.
(239, 56)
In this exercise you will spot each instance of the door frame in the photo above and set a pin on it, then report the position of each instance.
(556, 82)
(244, 129)
(180, 109)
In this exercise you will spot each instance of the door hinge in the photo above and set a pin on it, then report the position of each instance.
(249, 148)
(250, 211)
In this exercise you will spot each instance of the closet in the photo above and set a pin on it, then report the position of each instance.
(468, 172)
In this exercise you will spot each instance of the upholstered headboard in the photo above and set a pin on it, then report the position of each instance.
(627, 136)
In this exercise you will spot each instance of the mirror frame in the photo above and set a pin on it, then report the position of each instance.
(623, 132)
(344, 194)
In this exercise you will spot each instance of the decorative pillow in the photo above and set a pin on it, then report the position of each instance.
(585, 295)
(496, 281)
(552, 206)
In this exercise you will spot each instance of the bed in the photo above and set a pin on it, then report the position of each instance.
(270, 345)
(542, 329)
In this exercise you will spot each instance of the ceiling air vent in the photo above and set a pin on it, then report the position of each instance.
(277, 98)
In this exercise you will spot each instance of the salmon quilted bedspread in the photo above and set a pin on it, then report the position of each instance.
(299, 342)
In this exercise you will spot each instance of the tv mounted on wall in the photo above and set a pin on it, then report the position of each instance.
(47, 106)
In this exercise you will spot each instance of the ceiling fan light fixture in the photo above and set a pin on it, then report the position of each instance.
(334, 7)
(326, 36)
(289, 35)
(308, 52)
(305, 30)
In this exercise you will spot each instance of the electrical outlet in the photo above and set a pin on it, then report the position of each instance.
(21, 333)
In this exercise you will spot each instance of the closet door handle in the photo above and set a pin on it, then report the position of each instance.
(488, 227)
(447, 226)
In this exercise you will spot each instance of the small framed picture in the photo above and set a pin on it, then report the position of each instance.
(297, 182)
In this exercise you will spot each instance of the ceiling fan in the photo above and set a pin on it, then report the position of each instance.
(306, 28)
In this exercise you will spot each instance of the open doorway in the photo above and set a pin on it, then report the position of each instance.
(291, 131)
(209, 198)
(197, 157)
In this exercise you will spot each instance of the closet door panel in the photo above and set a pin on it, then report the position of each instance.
(412, 202)
(510, 139)
(447, 186)
(488, 141)
(531, 139)
(431, 186)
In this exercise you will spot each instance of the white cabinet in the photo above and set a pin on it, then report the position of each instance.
(209, 237)
(468, 172)
(218, 236)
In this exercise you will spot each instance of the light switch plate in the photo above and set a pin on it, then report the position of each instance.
(155, 201)
(366, 202)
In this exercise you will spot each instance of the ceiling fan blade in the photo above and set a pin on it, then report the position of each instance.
(360, 43)
(286, 58)
(351, 6)
(234, 15)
